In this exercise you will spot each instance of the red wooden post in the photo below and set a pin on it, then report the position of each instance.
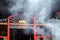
(35, 37)
(8, 33)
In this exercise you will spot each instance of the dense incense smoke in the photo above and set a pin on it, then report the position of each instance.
(41, 10)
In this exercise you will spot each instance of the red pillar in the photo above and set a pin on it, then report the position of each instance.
(35, 37)
(8, 33)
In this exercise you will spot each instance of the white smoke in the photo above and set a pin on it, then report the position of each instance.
(16, 6)
(54, 24)
(41, 9)
(38, 9)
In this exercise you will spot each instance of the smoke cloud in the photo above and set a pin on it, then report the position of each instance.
(41, 10)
